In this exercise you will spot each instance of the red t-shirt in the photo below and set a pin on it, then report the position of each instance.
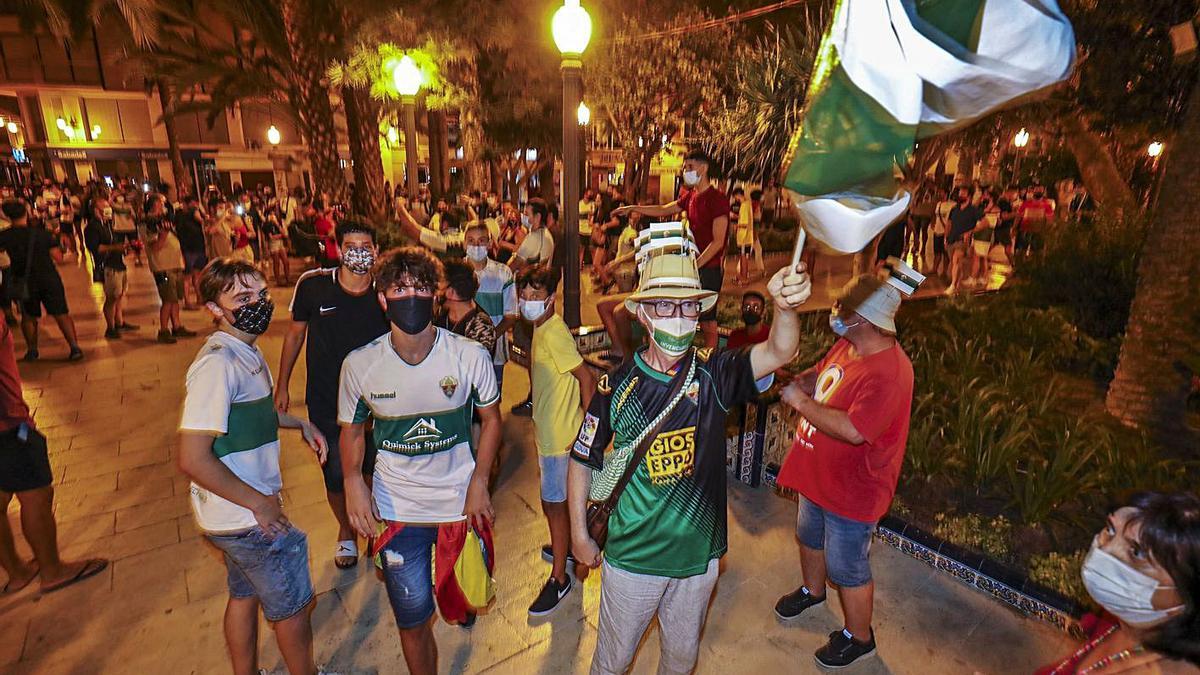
(1035, 213)
(325, 229)
(741, 337)
(855, 481)
(702, 209)
(13, 410)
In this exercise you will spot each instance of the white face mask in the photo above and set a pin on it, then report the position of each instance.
(477, 253)
(533, 310)
(1122, 590)
(691, 178)
(673, 336)
(525, 221)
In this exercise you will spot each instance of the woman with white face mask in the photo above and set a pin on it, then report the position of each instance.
(1143, 569)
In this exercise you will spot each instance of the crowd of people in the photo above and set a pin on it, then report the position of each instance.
(405, 355)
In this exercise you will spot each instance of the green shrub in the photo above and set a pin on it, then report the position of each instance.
(1061, 573)
(992, 538)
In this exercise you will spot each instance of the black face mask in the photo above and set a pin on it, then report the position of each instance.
(254, 317)
(411, 314)
(751, 318)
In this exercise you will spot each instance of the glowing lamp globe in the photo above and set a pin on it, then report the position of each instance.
(393, 135)
(96, 131)
(12, 127)
(69, 132)
(61, 124)
(1021, 139)
(407, 77)
(571, 27)
(1154, 149)
(583, 114)
(273, 135)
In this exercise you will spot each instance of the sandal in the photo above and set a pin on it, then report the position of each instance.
(346, 555)
(10, 588)
(90, 568)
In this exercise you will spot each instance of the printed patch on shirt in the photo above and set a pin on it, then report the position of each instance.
(325, 311)
(448, 385)
(672, 456)
(587, 431)
(581, 451)
(693, 392)
(603, 386)
(704, 353)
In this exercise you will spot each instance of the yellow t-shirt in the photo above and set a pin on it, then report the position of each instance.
(745, 225)
(556, 411)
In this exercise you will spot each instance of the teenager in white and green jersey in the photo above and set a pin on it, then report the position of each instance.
(497, 293)
(420, 385)
(229, 447)
(444, 238)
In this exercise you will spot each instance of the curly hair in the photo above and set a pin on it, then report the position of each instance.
(540, 277)
(411, 262)
(353, 226)
(461, 277)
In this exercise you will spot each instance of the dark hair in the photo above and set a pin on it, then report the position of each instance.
(1170, 531)
(461, 277)
(539, 208)
(755, 294)
(14, 209)
(478, 225)
(412, 261)
(698, 155)
(737, 191)
(453, 216)
(552, 211)
(756, 195)
(542, 277)
(318, 204)
(221, 274)
(351, 226)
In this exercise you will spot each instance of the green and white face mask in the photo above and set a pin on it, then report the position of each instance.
(674, 335)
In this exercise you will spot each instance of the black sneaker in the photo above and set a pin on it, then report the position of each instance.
(793, 604)
(75, 355)
(552, 594)
(126, 326)
(841, 651)
(523, 409)
(112, 334)
(165, 337)
(548, 556)
(30, 355)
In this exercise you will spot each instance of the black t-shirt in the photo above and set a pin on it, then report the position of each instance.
(671, 519)
(189, 230)
(100, 233)
(15, 242)
(963, 219)
(1008, 216)
(338, 323)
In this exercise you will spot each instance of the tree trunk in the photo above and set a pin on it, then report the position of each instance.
(472, 140)
(545, 174)
(433, 138)
(362, 125)
(1151, 385)
(183, 184)
(1096, 166)
(309, 94)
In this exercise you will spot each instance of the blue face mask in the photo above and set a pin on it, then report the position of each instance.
(838, 326)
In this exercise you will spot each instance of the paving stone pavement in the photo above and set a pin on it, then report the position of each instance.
(111, 423)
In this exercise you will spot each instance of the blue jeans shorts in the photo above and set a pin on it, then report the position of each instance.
(273, 570)
(408, 574)
(847, 543)
(554, 477)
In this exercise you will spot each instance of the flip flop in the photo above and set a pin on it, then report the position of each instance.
(10, 589)
(346, 551)
(90, 568)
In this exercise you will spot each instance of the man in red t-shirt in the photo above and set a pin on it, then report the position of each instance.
(707, 211)
(846, 459)
(755, 330)
(25, 472)
(1032, 217)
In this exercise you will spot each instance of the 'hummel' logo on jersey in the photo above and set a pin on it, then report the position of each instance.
(376, 396)
(424, 430)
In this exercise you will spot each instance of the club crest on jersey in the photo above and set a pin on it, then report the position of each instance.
(693, 392)
(603, 386)
(449, 385)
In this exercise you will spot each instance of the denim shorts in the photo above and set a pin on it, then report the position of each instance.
(408, 574)
(273, 570)
(554, 477)
(847, 543)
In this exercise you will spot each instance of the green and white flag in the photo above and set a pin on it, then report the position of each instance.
(892, 71)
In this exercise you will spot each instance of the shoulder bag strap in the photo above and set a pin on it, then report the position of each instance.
(677, 383)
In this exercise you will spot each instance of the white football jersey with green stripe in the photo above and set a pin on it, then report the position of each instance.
(422, 414)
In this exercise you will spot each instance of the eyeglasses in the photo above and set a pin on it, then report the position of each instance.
(665, 309)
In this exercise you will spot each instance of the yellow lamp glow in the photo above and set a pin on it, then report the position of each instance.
(393, 135)
(583, 114)
(96, 131)
(1021, 139)
(69, 132)
(12, 127)
(1154, 149)
(407, 77)
(273, 135)
(61, 123)
(571, 27)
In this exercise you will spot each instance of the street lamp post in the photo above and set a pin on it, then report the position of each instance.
(572, 28)
(407, 78)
